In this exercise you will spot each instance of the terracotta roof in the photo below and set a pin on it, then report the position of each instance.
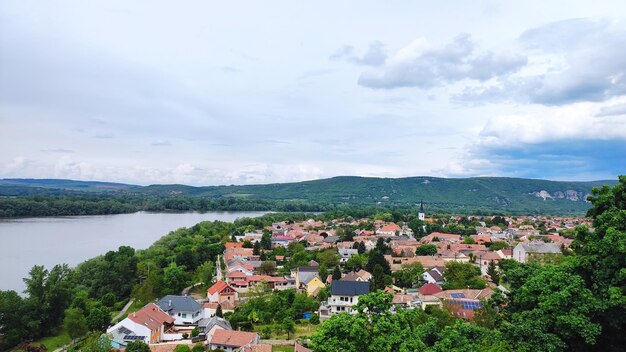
(151, 316)
(232, 338)
(217, 287)
(235, 274)
(262, 347)
(430, 289)
(299, 348)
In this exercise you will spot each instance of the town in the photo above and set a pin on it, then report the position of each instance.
(417, 263)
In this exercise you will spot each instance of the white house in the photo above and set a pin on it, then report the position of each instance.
(344, 295)
(148, 324)
(346, 253)
(184, 309)
(526, 251)
(231, 340)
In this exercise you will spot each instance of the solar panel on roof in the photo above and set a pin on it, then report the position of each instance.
(124, 330)
(133, 337)
(457, 295)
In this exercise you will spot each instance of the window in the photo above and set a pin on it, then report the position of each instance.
(184, 315)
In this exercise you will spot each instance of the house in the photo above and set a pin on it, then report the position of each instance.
(209, 326)
(463, 303)
(429, 289)
(360, 275)
(148, 324)
(505, 253)
(344, 295)
(210, 308)
(525, 252)
(231, 340)
(388, 229)
(220, 292)
(434, 275)
(346, 253)
(184, 309)
(312, 285)
(442, 237)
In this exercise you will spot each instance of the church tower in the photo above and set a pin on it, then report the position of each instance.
(421, 215)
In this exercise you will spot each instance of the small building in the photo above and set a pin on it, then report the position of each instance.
(221, 292)
(525, 252)
(184, 309)
(344, 296)
(149, 324)
(231, 340)
(346, 253)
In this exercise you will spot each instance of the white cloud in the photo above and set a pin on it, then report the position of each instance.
(422, 65)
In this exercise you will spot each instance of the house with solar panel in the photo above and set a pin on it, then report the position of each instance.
(150, 324)
(463, 303)
(184, 309)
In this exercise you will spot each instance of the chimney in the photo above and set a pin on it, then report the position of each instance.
(170, 302)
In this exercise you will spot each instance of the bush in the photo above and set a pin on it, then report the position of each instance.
(314, 319)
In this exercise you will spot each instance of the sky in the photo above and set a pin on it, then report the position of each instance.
(247, 92)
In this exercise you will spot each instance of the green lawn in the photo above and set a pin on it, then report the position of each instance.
(301, 330)
(54, 342)
(282, 348)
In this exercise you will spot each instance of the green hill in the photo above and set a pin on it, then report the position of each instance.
(484, 194)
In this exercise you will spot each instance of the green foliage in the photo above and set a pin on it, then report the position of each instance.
(498, 245)
(219, 312)
(195, 332)
(174, 279)
(409, 276)
(182, 348)
(272, 309)
(99, 318)
(462, 275)
(426, 249)
(137, 346)
(492, 271)
(75, 322)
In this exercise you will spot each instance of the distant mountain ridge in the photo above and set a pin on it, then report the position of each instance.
(490, 194)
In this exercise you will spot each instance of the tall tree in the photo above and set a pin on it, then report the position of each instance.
(75, 323)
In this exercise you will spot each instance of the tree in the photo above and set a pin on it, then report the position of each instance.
(379, 279)
(99, 318)
(256, 249)
(195, 332)
(362, 248)
(174, 278)
(267, 267)
(462, 275)
(75, 323)
(16, 320)
(266, 332)
(266, 240)
(182, 348)
(288, 326)
(492, 271)
(426, 249)
(204, 273)
(218, 311)
(410, 276)
(498, 245)
(468, 240)
(337, 273)
(356, 262)
(137, 346)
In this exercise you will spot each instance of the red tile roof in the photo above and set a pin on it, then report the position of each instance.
(151, 316)
(217, 287)
(430, 289)
(232, 338)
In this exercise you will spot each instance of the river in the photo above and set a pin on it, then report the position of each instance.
(73, 239)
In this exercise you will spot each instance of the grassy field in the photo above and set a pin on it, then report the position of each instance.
(282, 348)
(301, 330)
(54, 342)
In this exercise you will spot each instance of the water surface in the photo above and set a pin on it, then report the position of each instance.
(73, 239)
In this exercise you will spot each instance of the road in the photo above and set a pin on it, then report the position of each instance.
(123, 311)
(218, 269)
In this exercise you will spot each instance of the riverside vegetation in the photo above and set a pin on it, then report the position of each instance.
(575, 304)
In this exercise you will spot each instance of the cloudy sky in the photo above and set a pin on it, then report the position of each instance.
(239, 92)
